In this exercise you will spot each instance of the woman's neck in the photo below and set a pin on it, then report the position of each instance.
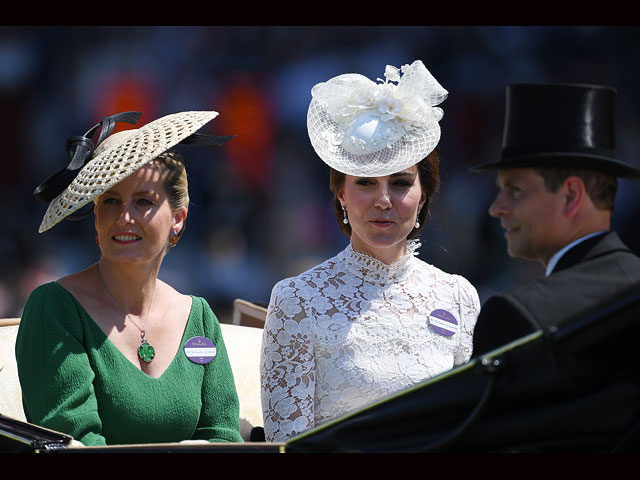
(387, 255)
(133, 287)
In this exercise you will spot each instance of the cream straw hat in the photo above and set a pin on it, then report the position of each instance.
(116, 157)
(369, 129)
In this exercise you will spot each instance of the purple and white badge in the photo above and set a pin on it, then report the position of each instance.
(200, 350)
(443, 322)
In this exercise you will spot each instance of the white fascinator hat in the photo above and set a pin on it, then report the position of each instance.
(372, 129)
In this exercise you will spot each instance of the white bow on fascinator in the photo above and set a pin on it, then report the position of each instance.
(363, 128)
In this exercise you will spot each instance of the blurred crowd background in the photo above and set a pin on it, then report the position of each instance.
(261, 207)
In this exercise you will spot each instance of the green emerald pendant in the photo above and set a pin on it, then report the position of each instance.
(145, 351)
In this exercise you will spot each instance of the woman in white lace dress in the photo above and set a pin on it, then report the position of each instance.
(374, 319)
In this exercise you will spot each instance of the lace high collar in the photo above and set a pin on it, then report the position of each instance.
(372, 270)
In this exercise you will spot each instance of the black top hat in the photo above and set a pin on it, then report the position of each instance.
(560, 125)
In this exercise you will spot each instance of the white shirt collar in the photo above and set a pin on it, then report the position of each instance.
(558, 255)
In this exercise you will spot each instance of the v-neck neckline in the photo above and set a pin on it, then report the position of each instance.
(113, 345)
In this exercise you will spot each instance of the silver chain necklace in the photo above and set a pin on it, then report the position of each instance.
(146, 352)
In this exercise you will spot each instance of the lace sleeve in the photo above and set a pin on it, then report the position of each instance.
(469, 310)
(287, 365)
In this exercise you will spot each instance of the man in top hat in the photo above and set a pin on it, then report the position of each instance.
(557, 180)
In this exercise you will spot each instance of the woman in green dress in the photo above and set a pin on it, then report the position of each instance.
(112, 355)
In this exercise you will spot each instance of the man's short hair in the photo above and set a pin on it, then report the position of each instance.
(600, 185)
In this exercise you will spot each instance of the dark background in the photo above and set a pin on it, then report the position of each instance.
(261, 206)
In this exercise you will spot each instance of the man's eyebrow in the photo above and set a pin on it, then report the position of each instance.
(509, 181)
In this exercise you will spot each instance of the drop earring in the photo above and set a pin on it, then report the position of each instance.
(173, 239)
(417, 222)
(345, 220)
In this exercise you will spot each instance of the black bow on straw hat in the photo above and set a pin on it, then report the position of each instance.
(80, 150)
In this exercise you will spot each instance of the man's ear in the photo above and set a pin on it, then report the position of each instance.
(574, 194)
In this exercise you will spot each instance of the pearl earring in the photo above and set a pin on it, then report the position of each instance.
(345, 220)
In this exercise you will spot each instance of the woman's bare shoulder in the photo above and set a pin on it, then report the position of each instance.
(80, 283)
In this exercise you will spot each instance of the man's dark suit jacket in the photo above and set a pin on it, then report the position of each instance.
(584, 379)
(585, 278)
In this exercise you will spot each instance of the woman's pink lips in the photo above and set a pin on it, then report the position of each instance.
(380, 222)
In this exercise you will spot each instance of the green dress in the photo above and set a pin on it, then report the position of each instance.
(74, 380)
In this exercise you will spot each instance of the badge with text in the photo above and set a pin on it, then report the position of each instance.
(443, 322)
(200, 350)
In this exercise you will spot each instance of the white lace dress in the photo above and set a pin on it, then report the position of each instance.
(352, 330)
